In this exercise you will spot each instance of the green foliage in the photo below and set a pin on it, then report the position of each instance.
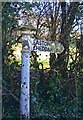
(11, 90)
(11, 68)
(53, 98)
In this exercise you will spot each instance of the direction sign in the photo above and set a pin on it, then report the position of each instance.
(43, 45)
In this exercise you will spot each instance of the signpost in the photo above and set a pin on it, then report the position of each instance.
(29, 45)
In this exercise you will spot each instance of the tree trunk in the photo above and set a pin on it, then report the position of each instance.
(66, 27)
(63, 39)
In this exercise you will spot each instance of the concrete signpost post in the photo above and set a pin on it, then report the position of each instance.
(29, 45)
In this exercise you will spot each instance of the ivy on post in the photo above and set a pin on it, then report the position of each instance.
(25, 80)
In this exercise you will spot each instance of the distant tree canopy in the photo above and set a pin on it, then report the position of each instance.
(59, 21)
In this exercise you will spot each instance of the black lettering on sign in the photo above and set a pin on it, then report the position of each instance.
(41, 42)
(45, 43)
(35, 42)
(34, 47)
(43, 48)
(46, 49)
(38, 48)
(41, 45)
